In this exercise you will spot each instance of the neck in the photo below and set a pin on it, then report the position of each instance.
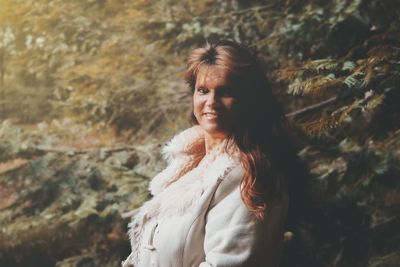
(213, 140)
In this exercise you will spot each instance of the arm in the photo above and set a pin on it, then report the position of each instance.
(229, 235)
(233, 237)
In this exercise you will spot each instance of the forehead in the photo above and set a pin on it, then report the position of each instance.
(212, 76)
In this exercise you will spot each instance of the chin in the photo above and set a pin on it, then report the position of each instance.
(215, 131)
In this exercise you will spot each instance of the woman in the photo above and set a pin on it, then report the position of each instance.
(223, 198)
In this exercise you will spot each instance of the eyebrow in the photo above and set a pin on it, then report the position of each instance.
(218, 87)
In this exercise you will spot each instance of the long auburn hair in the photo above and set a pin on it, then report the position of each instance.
(260, 130)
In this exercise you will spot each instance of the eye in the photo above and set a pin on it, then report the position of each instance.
(226, 91)
(202, 90)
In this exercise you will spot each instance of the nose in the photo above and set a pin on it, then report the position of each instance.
(212, 100)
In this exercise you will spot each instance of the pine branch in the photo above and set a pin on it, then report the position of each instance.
(311, 107)
(74, 151)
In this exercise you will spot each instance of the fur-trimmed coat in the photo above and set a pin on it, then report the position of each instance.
(197, 217)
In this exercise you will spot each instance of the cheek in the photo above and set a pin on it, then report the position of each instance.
(232, 110)
(229, 104)
(196, 103)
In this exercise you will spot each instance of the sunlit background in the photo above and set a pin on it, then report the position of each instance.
(91, 90)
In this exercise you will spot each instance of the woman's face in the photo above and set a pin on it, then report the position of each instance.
(214, 101)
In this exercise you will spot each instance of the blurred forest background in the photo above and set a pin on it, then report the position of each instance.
(90, 90)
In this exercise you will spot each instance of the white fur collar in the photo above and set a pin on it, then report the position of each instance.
(188, 142)
(183, 153)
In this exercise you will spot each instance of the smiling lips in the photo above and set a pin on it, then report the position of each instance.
(211, 115)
